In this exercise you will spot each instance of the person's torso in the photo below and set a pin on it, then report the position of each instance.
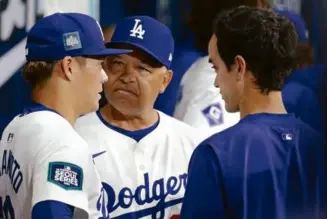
(146, 178)
(271, 167)
(201, 104)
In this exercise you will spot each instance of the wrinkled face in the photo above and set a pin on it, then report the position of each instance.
(89, 79)
(228, 81)
(134, 81)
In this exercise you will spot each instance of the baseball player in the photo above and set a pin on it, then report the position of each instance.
(141, 154)
(200, 103)
(46, 167)
(270, 164)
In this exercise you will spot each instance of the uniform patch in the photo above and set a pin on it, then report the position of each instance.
(72, 41)
(213, 114)
(66, 175)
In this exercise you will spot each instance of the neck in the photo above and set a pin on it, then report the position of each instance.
(262, 103)
(129, 122)
(56, 101)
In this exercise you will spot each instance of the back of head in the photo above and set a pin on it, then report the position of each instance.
(203, 13)
(265, 40)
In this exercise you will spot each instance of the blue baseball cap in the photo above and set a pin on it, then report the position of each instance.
(66, 34)
(296, 19)
(147, 34)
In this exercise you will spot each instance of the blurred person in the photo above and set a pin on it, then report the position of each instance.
(200, 103)
(270, 164)
(303, 87)
(141, 154)
(47, 169)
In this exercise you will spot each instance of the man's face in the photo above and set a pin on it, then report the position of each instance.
(230, 87)
(134, 81)
(90, 78)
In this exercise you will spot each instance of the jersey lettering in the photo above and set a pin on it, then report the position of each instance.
(6, 208)
(101, 205)
(147, 193)
(11, 167)
(137, 30)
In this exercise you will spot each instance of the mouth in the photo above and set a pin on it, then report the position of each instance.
(126, 91)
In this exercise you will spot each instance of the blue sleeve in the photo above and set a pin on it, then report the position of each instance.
(304, 103)
(309, 110)
(204, 196)
(52, 210)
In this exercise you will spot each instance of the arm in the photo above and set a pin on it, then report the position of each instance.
(60, 178)
(52, 210)
(204, 197)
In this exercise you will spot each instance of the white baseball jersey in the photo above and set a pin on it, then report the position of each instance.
(201, 104)
(144, 179)
(43, 158)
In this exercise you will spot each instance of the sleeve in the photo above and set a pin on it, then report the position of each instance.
(310, 114)
(61, 174)
(52, 210)
(204, 196)
(208, 112)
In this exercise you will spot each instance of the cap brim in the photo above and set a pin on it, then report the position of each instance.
(108, 51)
(109, 44)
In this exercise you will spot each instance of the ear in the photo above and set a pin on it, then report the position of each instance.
(240, 67)
(167, 77)
(66, 65)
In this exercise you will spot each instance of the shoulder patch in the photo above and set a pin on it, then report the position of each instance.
(66, 175)
(213, 114)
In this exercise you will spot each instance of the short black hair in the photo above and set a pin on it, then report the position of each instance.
(264, 39)
(203, 13)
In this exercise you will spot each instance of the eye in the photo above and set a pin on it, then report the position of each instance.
(117, 62)
(142, 68)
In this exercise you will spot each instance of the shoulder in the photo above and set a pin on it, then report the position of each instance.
(201, 65)
(177, 127)
(87, 120)
(44, 133)
(237, 134)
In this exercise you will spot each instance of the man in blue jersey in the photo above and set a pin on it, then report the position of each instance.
(268, 166)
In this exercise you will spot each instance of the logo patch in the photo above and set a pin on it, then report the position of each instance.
(72, 41)
(137, 30)
(66, 175)
(213, 114)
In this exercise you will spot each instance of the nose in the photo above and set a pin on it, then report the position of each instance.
(104, 77)
(216, 82)
(129, 74)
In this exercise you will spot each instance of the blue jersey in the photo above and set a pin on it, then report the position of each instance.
(304, 87)
(268, 166)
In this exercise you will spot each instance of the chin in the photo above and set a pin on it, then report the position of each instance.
(231, 109)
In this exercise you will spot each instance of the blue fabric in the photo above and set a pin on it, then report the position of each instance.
(66, 34)
(183, 58)
(52, 210)
(267, 166)
(304, 95)
(111, 12)
(153, 37)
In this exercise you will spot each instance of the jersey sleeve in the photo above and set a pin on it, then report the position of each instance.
(208, 112)
(61, 175)
(204, 196)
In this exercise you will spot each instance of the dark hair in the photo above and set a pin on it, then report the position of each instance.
(203, 13)
(36, 73)
(304, 55)
(264, 39)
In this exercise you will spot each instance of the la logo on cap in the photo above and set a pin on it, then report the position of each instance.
(72, 40)
(137, 30)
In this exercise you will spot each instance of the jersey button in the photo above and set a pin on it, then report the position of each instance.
(142, 167)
